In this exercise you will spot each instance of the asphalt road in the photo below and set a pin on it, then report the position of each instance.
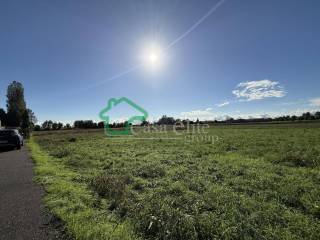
(22, 215)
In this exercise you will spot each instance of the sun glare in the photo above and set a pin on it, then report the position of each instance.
(152, 57)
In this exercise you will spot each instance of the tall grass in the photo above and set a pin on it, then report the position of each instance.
(254, 183)
(73, 202)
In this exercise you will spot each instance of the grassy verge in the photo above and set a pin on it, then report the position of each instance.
(71, 201)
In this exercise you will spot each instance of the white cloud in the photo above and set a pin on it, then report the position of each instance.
(265, 114)
(315, 102)
(256, 90)
(210, 115)
(206, 114)
(225, 103)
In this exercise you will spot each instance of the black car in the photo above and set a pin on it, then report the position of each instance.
(10, 138)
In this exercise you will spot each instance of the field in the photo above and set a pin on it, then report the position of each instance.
(252, 182)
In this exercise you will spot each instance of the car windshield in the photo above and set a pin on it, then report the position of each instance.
(5, 133)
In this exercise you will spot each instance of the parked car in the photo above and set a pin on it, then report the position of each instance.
(10, 138)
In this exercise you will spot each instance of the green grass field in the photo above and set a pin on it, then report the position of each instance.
(253, 182)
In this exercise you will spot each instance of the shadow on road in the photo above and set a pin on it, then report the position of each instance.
(6, 149)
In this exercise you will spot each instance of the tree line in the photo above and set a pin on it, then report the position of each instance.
(17, 114)
(78, 124)
(166, 120)
(307, 116)
(51, 125)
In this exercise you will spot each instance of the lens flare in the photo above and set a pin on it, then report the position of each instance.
(152, 57)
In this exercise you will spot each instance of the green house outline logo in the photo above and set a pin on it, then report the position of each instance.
(112, 102)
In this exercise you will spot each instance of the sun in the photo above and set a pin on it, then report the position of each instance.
(152, 57)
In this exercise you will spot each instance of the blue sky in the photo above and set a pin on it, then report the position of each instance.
(248, 58)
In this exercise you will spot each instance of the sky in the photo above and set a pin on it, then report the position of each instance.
(191, 59)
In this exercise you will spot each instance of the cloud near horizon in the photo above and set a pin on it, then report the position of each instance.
(315, 102)
(257, 90)
(206, 114)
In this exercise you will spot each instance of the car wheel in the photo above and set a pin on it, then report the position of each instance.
(18, 146)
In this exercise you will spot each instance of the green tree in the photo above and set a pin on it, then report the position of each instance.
(3, 117)
(306, 116)
(54, 126)
(60, 125)
(32, 118)
(26, 124)
(47, 125)
(37, 128)
(16, 105)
